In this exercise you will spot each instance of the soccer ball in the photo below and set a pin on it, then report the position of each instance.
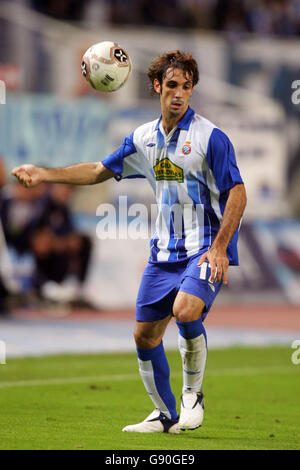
(106, 66)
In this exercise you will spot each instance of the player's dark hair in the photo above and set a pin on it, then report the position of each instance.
(174, 59)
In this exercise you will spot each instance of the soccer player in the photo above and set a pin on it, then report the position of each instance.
(200, 195)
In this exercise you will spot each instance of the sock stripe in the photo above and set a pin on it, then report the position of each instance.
(192, 372)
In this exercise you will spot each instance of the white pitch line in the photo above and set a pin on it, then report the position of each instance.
(120, 377)
(69, 380)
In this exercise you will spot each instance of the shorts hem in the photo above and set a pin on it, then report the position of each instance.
(150, 319)
(192, 292)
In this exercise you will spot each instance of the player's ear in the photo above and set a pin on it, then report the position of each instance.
(156, 85)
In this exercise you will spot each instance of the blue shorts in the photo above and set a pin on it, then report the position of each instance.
(162, 281)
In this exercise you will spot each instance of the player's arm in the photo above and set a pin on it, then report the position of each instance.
(217, 254)
(81, 174)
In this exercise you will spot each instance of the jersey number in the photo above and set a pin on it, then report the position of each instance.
(203, 270)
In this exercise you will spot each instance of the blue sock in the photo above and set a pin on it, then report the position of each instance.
(191, 329)
(155, 373)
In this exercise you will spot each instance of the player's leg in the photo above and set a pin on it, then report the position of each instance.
(153, 365)
(192, 339)
(155, 373)
(154, 305)
(193, 349)
(191, 306)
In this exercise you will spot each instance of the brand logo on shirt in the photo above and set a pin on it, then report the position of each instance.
(150, 145)
(167, 170)
(186, 149)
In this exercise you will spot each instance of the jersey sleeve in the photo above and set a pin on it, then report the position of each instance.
(222, 162)
(126, 162)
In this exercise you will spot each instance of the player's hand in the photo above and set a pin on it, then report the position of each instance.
(28, 175)
(219, 263)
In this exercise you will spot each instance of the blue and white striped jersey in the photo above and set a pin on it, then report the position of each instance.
(191, 171)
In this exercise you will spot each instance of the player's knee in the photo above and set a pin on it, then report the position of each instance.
(142, 340)
(185, 316)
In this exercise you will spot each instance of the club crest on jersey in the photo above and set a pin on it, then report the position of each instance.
(186, 149)
(167, 170)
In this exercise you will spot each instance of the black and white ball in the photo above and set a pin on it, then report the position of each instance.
(106, 66)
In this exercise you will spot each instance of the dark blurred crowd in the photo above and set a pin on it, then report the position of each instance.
(48, 254)
(270, 17)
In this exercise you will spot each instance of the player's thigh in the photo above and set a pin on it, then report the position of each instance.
(196, 294)
(148, 334)
(188, 307)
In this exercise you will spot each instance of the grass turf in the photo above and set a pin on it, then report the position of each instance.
(84, 401)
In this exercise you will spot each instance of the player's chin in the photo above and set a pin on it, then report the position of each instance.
(176, 111)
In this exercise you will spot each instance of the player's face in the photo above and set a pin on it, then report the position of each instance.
(175, 92)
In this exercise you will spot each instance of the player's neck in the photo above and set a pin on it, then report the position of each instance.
(169, 121)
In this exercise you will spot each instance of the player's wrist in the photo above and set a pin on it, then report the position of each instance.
(43, 175)
(221, 241)
(219, 246)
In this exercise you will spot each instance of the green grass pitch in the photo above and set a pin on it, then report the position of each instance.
(84, 401)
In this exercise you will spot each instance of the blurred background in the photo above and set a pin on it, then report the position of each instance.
(55, 274)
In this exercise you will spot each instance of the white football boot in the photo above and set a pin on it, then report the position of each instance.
(192, 410)
(155, 422)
